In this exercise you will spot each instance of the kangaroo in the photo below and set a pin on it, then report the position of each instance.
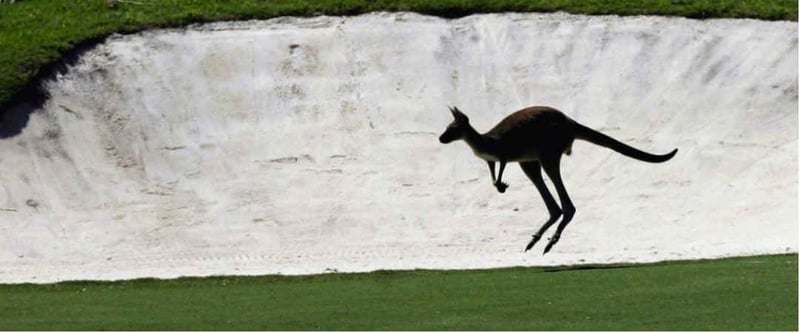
(536, 137)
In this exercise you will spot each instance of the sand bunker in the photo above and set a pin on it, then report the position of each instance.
(298, 146)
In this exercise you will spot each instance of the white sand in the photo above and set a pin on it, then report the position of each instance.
(299, 146)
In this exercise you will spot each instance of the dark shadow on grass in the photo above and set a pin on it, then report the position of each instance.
(587, 267)
(15, 113)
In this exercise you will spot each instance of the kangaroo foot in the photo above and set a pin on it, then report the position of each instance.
(553, 241)
(532, 242)
(501, 187)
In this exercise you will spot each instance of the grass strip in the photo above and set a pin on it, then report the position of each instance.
(749, 293)
(35, 34)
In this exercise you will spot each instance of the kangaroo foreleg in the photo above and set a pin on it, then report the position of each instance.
(497, 182)
(553, 169)
(534, 172)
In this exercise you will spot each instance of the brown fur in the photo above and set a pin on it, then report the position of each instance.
(536, 137)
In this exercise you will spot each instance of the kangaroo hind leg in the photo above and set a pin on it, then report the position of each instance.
(534, 172)
(552, 167)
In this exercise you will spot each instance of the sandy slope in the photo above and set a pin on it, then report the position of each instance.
(309, 145)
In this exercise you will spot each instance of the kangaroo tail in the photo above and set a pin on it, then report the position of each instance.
(588, 134)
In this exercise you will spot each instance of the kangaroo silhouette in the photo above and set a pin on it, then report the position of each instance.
(536, 137)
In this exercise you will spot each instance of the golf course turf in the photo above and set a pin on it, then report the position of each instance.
(748, 293)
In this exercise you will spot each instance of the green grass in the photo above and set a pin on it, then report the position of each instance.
(752, 293)
(35, 33)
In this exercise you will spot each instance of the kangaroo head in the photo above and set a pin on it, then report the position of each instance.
(457, 129)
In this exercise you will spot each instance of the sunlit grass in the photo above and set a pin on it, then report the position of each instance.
(753, 293)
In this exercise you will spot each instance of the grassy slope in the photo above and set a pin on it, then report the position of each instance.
(755, 293)
(34, 33)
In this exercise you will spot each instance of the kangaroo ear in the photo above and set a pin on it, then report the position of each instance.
(458, 115)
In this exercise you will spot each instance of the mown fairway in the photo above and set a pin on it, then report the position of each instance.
(753, 293)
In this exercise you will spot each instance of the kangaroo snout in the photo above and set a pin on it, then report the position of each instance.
(447, 137)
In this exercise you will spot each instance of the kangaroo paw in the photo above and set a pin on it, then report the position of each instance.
(553, 241)
(501, 187)
(532, 242)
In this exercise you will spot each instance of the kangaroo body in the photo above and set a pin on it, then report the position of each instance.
(536, 137)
